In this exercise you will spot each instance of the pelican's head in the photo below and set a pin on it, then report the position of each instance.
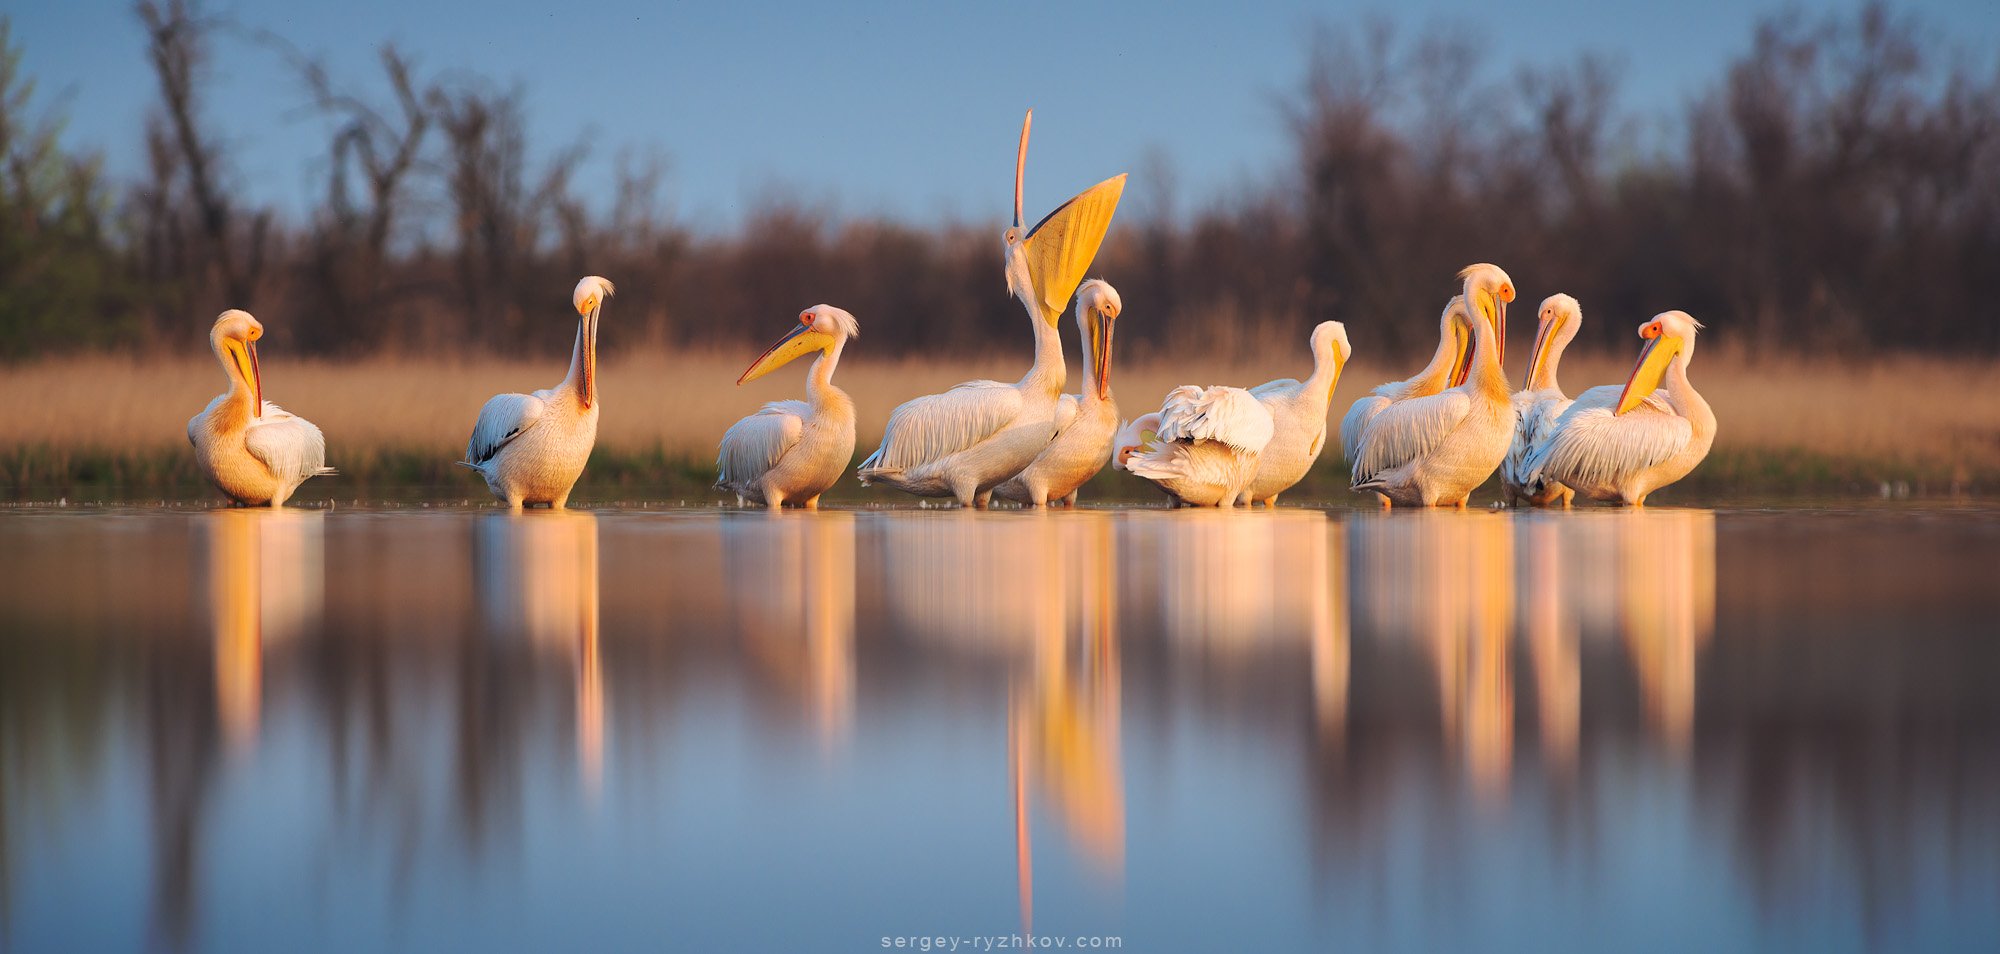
(1455, 325)
(234, 339)
(589, 301)
(1329, 340)
(821, 328)
(1487, 292)
(1557, 323)
(1097, 309)
(1669, 338)
(1046, 260)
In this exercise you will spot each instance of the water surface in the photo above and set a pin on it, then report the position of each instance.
(463, 730)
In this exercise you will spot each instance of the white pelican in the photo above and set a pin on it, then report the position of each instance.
(1447, 370)
(1620, 444)
(792, 451)
(964, 442)
(252, 450)
(1084, 422)
(1201, 446)
(1298, 411)
(531, 448)
(1540, 401)
(1434, 450)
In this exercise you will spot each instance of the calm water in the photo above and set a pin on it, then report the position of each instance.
(1669, 730)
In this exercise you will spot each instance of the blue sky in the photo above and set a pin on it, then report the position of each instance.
(906, 110)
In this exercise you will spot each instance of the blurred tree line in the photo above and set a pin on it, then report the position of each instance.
(1837, 187)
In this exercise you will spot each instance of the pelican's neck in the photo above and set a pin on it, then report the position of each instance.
(1441, 362)
(1486, 374)
(582, 379)
(240, 400)
(1545, 377)
(819, 381)
(1325, 373)
(1686, 400)
(1048, 374)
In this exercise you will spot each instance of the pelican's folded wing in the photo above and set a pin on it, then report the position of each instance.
(1229, 415)
(934, 426)
(288, 445)
(1355, 425)
(504, 418)
(755, 444)
(1407, 430)
(1590, 446)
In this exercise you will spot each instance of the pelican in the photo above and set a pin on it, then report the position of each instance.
(1541, 401)
(252, 450)
(966, 441)
(1084, 422)
(1434, 450)
(1298, 412)
(1201, 446)
(1446, 370)
(1621, 444)
(792, 451)
(531, 448)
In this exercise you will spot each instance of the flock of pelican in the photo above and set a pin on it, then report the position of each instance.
(1428, 440)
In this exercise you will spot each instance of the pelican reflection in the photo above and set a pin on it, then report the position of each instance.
(538, 580)
(799, 621)
(265, 586)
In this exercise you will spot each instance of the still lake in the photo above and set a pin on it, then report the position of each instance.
(432, 730)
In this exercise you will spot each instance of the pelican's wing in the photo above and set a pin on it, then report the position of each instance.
(1066, 408)
(287, 444)
(1407, 430)
(1355, 424)
(1590, 446)
(755, 444)
(925, 429)
(504, 418)
(1229, 415)
(1535, 414)
(1283, 387)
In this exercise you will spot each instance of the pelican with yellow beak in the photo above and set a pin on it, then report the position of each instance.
(792, 451)
(1084, 422)
(1620, 444)
(966, 441)
(254, 451)
(1435, 450)
(1298, 414)
(1447, 369)
(531, 448)
(1541, 402)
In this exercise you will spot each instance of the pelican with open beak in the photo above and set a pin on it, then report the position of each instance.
(970, 439)
(1084, 422)
(790, 452)
(254, 451)
(1621, 443)
(531, 448)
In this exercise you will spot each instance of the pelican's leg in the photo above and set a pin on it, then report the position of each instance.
(514, 502)
(811, 503)
(984, 499)
(1271, 501)
(1567, 495)
(1070, 501)
(1384, 499)
(561, 501)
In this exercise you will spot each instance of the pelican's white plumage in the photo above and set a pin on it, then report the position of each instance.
(792, 451)
(1541, 401)
(1084, 422)
(531, 448)
(1446, 369)
(1622, 443)
(1298, 414)
(1435, 450)
(254, 451)
(1205, 447)
(966, 441)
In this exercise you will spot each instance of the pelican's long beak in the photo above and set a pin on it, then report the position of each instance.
(802, 339)
(1020, 166)
(590, 354)
(1461, 366)
(1100, 352)
(1538, 358)
(1062, 245)
(256, 381)
(1339, 365)
(1494, 309)
(1654, 360)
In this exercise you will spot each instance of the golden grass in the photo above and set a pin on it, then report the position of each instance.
(1936, 414)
